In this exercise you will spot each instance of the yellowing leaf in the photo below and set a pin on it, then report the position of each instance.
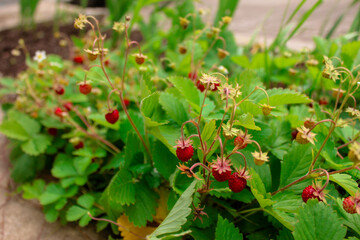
(162, 211)
(130, 232)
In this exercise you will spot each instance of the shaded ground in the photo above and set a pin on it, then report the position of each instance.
(22, 219)
(41, 38)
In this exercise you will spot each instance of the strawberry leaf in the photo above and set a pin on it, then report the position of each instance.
(152, 111)
(279, 96)
(165, 161)
(246, 120)
(145, 205)
(346, 182)
(188, 90)
(295, 163)
(121, 189)
(178, 214)
(226, 230)
(173, 107)
(318, 221)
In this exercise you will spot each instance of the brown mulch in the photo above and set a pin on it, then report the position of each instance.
(40, 38)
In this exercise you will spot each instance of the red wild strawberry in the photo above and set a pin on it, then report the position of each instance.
(313, 191)
(309, 123)
(79, 145)
(349, 205)
(323, 101)
(293, 134)
(200, 86)
(192, 75)
(85, 88)
(139, 58)
(215, 87)
(112, 117)
(126, 102)
(240, 142)
(59, 90)
(221, 169)
(237, 183)
(58, 112)
(52, 131)
(107, 62)
(184, 149)
(68, 106)
(78, 59)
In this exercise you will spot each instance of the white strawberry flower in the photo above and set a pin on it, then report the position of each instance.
(39, 56)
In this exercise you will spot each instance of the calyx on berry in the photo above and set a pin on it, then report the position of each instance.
(140, 58)
(221, 169)
(260, 157)
(314, 191)
(222, 53)
(266, 109)
(242, 140)
(184, 149)
(305, 136)
(59, 89)
(354, 153)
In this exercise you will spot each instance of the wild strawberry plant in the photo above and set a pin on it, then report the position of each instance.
(182, 145)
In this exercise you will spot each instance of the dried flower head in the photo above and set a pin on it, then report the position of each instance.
(304, 136)
(186, 170)
(222, 53)
(266, 109)
(198, 212)
(260, 158)
(92, 54)
(119, 27)
(229, 132)
(208, 79)
(312, 62)
(336, 91)
(341, 123)
(227, 91)
(329, 71)
(353, 112)
(80, 22)
(354, 153)
(184, 23)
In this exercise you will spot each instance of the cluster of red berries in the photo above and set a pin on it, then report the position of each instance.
(113, 115)
(350, 204)
(220, 168)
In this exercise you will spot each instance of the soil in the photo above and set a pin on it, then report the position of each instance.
(40, 38)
